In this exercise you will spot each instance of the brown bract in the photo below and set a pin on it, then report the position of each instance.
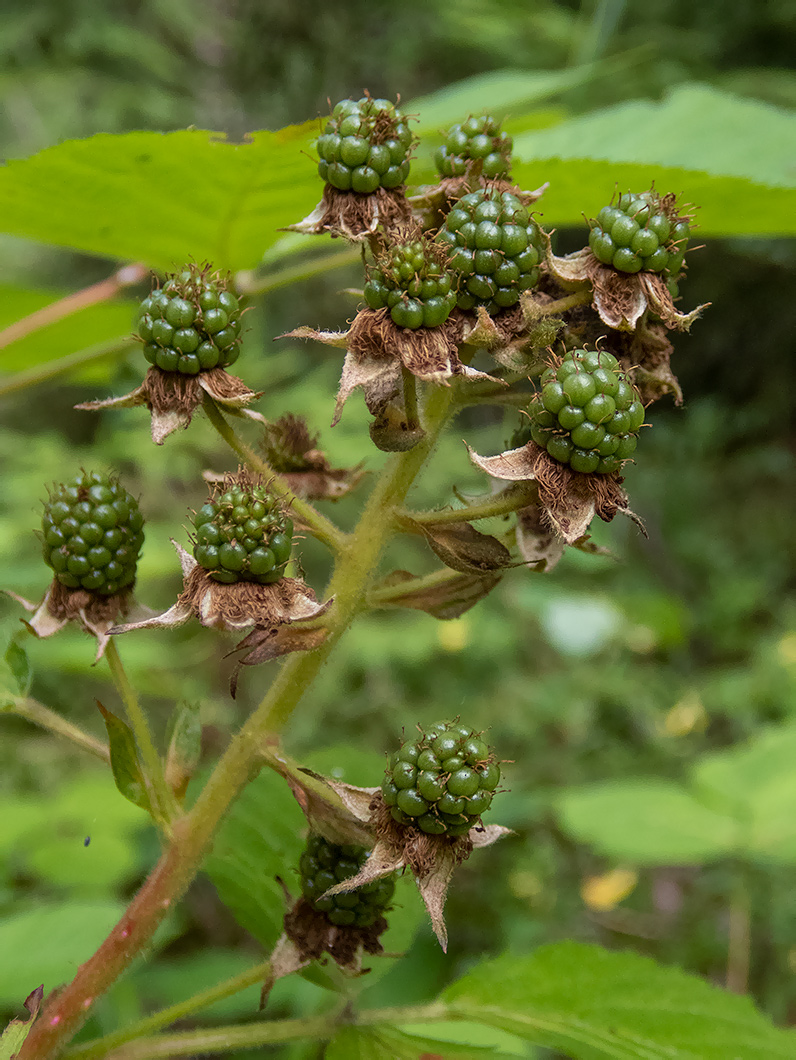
(620, 298)
(569, 499)
(173, 397)
(94, 612)
(269, 608)
(354, 216)
(378, 351)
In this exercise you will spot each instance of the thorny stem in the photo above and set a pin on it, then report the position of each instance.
(509, 500)
(192, 834)
(318, 525)
(163, 802)
(127, 276)
(36, 712)
(102, 1046)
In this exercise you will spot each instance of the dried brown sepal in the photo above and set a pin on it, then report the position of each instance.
(354, 216)
(620, 298)
(569, 498)
(445, 601)
(537, 542)
(461, 547)
(94, 612)
(173, 397)
(293, 451)
(262, 645)
(337, 811)
(646, 356)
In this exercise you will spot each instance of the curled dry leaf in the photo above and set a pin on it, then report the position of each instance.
(95, 613)
(443, 600)
(620, 298)
(172, 397)
(354, 216)
(461, 547)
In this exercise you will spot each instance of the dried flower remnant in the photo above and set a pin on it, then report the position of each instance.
(293, 452)
(190, 328)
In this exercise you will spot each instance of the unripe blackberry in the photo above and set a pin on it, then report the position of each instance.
(495, 249)
(324, 864)
(191, 323)
(442, 781)
(641, 232)
(476, 138)
(92, 533)
(413, 281)
(243, 534)
(365, 146)
(588, 413)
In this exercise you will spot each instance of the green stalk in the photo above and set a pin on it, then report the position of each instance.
(509, 500)
(102, 1046)
(318, 525)
(38, 714)
(192, 835)
(162, 799)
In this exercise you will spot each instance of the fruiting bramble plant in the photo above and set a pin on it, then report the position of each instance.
(464, 306)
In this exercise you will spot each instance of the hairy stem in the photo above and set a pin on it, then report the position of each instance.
(509, 500)
(192, 835)
(102, 1046)
(162, 799)
(317, 523)
(36, 712)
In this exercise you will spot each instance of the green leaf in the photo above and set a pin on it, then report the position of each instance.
(17, 1031)
(388, 1043)
(49, 942)
(687, 144)
(185, 746)
(164, 199)
(648, 822)
(125, 762)
(19, 664)
(591, 1003)
(261, 838)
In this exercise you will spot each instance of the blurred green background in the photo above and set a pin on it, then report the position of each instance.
(608, 669)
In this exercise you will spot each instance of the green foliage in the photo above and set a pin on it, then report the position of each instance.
(591, 1003)
(125, 762)
(740, 803)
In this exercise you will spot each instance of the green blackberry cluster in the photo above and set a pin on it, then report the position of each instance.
(442, 781)
(588, 414)
(365, 146)
(325, 864)
(495, 249)
(191, 323)
(476, 138)
(414, 283)
(641, 232)
(243, 535)
(92, 533)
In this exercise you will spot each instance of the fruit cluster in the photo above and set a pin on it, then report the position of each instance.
(365, 146)
(92, 533)
(442, 781)
(243, 534)
(412, 281)
(495, 249)
(191, 323)
(588, 413)
(324, 864)
(476, 138)
(640, 232)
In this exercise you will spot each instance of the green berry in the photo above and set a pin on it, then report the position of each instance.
(324, 864)
(242, 534)
(441, 781)
(93, 532)
(475, 140)
(365, 146)
(641, 232)
(192, 323)
(411, 279)
(588, 413)
(495, 248)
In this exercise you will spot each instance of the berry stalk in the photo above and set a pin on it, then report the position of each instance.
(192, 835)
